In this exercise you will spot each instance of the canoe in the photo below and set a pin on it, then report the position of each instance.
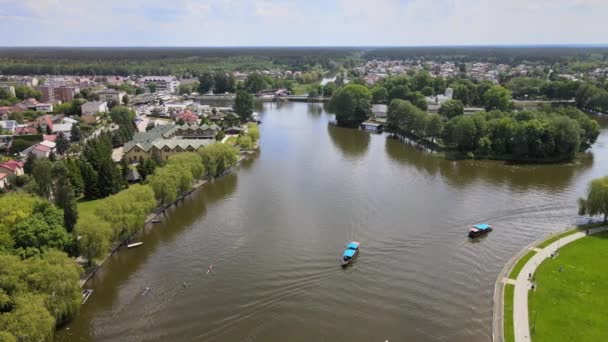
(349, 254)
(136, 244)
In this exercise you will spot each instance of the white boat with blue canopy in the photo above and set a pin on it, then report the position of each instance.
(351, 251)
(479, 229)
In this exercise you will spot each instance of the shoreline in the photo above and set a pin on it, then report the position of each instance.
(498, 300)
(158, 211)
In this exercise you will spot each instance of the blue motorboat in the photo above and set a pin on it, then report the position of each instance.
(351, 251)
(479, 230)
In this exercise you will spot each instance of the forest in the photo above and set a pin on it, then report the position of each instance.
(192, 61)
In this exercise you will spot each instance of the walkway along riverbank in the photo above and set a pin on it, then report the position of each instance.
(161, 211)
(516, 273)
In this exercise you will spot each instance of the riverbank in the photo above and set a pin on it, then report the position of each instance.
(510, 321)
(160, 210)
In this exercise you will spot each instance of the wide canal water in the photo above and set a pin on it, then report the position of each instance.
(274, 230)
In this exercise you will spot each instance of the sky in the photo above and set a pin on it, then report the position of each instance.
(301, 22)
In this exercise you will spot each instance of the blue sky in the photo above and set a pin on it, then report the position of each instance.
(301, 22)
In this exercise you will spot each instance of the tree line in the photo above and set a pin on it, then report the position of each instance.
(38, 280)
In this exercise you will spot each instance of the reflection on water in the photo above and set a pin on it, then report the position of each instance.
(275, 236)
(351, 142)
(464, 172)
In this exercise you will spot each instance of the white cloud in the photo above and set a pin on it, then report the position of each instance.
(303, 22)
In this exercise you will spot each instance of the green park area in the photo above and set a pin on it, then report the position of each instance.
(571, 299)
(303, 88)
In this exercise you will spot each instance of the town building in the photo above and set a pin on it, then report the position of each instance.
(372, 126)
(52, 93)
(12, 167)
(26, 130)
(3, 180)
(17, 81)
(163, 83)
(9, 125)
(441, 98)
(8, 89)
(65, 128)
(33, 104)
(167, 140)
(109, 95)
(379, 110)
(42, 150)
(93, 107)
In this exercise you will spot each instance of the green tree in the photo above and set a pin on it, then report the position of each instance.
(428, 91)
(217, 158)
(243, 104)
(146, 168)
(75, 133)
(28, 166)
(152, 87)
(94, 236)
(596, 202)
(497, 97)
(125, 100)
(451, 109)
(245, 142)
(41, 174)
(64, 195)
(352, 104)
(28, 320)
(434, 126)
(89, 178)
(205, 82)
(253, 131)
(463, 133)
(328, 89)
(62, 143)
(255, 83)
(422, 80)
(418, 100)
(379, 94)
(222, 82)
(401, 92)
(40, 231)
(24, 93)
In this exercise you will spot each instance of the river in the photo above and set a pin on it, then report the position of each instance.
(274, 230)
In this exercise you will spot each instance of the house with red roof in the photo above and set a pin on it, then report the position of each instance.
(50, 137)
(33, 104)
(12, 167)
(42, 151)
(25, 130)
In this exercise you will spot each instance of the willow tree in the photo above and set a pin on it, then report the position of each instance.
(597, 199)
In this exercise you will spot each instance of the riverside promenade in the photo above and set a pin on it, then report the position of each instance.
(522, 283)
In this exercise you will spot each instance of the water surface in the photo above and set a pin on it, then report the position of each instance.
(275, 227)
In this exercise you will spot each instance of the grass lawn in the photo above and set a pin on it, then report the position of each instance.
(301, 89)
(520, 264)
(572, 305)
(509, 332)
(557, 237)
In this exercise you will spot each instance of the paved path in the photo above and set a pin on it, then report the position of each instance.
(523, 285)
